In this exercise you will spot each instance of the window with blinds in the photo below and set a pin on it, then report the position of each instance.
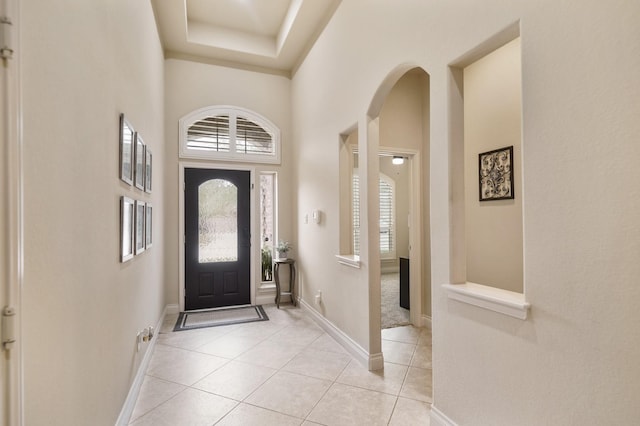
(355, 203)
(210, 134)
(387, 217)
(229, 133)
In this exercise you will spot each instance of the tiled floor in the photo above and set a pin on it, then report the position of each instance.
(285, 371)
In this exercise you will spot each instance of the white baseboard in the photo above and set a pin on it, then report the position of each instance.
(426, 322)
(370, 361)
(438, 418)
(263, 299)
(134, 390)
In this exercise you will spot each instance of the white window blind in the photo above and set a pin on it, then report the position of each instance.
(251, 138)
(229, 133)
(387, 217)
(355, 203)
(210, 134)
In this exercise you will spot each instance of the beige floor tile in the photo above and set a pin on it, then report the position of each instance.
(248, 415)
(328, 344)
(182, 366)
(191, 339)
(230, 345)
(408, 412)
(190, 407)
(348, 405)
(262, 329)
(418, 384)
(397, 352)
(405, 334)
(154, 392)
(318, 364)
(308, 360)
(270, 354)
(235, 380)
(425, 337)
(289, 393)
(297, 335)
(388, 380)
(422, 357)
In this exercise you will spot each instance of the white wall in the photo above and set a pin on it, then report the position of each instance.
(190, 86)
(492, 115)
(574, 361)
(83, 64)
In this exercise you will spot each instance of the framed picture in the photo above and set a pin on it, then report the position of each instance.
(139, 228)
(126, 150)
(147, 170)
(148, 226)
(139, 162)
(496, 174)
(127, 217)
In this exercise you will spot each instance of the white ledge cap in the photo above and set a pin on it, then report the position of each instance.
(352, 260)
(494, 299)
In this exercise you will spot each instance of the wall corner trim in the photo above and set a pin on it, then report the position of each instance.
(134, 390)
(491, 298)
(438, 418)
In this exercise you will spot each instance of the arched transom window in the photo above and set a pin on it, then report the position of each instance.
(229, 133)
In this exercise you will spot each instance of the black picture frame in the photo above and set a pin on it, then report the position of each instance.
(495, 174)
(127, 139)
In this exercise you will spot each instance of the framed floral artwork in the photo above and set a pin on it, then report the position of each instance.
(496, 174)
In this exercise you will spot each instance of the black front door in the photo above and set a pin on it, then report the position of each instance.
(217, 238)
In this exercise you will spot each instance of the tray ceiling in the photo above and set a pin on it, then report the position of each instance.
(266, 35)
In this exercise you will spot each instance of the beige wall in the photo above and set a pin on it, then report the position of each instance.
(83, 64)
(190, 86)
(492, 120)
(581, 233)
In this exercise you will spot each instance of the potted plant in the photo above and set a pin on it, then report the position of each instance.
(283, 248)
(267, 264)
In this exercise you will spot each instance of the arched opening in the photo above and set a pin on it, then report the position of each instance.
(398, 126)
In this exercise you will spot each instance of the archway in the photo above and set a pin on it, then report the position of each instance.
(398, 125)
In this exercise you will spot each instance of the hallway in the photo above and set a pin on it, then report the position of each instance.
(285, 371)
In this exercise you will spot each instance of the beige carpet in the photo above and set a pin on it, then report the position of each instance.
(392, 314)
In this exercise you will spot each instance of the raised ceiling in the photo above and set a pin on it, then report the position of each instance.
(265, 35)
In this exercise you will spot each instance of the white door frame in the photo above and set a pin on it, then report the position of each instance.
(11, 228)
(254, 223)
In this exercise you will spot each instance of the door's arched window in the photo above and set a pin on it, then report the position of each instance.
(229, 133)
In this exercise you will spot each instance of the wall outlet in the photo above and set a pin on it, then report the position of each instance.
(319, 297)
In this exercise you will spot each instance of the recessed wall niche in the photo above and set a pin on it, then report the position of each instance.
(491, 96)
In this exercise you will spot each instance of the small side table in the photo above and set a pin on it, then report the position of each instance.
(292, 279)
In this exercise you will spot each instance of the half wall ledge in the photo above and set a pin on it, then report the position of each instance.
(494, 299)
(351, 260)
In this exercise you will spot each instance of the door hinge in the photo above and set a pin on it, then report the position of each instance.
(184, 186)
(252, 187)
(6, 49)
(8, 327)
